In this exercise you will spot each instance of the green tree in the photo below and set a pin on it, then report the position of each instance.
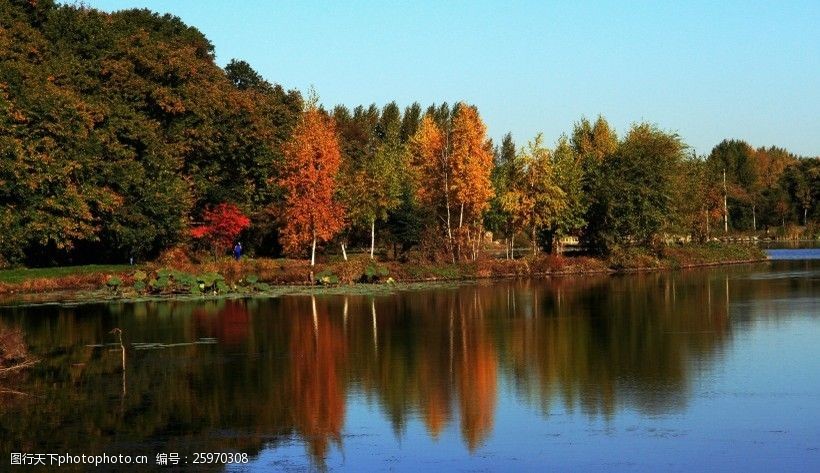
(535, 200)
(594, 143)
(373, 168)
(737, 159)
(569, 174)
(497, 219)
(638, 189)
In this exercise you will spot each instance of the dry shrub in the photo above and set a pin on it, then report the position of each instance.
(585, 263)
(632, 258)
(349, 271)
(492, 267)
(267, 269)
(283, 271)
(177, 258)
(432, 247)
(231, 269)
(72, 281)
(548, 264)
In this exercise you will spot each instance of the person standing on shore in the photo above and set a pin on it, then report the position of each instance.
(237, 251)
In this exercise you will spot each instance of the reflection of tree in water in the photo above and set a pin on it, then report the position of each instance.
(475, 373)
(15, 359)
(183, 398)
(316, 388)
(279, 368)
(229, 323)
(612, 342)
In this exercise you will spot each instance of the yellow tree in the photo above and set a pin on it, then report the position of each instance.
(452, 171)
(312, 161)
(432, 170)
(472, 165)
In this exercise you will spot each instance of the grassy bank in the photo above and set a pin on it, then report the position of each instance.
(179, 277)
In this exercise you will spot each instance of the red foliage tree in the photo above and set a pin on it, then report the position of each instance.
(222, 224)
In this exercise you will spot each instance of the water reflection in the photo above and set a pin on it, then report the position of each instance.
(290, 368)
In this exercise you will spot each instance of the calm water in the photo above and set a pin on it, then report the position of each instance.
(700, 370)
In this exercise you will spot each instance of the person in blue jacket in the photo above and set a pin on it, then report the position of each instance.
(237, 251)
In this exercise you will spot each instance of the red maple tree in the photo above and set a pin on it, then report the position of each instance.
(222, 224)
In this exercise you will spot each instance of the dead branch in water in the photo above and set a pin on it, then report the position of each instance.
(14, 355)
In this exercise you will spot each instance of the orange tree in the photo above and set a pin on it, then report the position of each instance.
(312, 161)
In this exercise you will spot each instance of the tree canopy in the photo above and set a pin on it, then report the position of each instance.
(121, 134)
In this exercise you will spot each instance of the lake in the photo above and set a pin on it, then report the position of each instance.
(705, 370)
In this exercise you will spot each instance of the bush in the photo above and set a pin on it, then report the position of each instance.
(327, 278)
(374, 272)
(632, 258)
(113, 282)
(548, 263)
(176, 258)
(208, 282)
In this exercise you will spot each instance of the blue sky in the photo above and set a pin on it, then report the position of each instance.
(707, 70)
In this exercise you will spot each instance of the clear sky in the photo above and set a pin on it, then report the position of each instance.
(706, 69)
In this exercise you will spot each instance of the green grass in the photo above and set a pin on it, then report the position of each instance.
(14, 276)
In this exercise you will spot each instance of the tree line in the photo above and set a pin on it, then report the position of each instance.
(121, 137)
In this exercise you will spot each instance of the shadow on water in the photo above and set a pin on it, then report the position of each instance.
(253, 374)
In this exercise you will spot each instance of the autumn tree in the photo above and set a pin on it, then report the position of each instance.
(697, 200)
(736, 159)
(452, 161)
(472, 164)
(311, 214)
(535, 200)
(594, 141)
(770, 164)
(433, 172)
(221, 225)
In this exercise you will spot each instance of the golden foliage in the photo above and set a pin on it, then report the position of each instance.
(312, 159)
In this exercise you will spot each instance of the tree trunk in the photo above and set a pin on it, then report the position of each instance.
(372, 237)
(534, 242)
(447, 202)
(725, 206)
(707, 224)
(344, 253)
(555, 244)
(754, 218)
(313, 251)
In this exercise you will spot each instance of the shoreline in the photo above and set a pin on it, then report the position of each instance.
(83, 296)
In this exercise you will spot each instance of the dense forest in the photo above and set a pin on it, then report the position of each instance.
(121, 137)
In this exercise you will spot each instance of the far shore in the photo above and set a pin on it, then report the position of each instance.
(358, 276)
